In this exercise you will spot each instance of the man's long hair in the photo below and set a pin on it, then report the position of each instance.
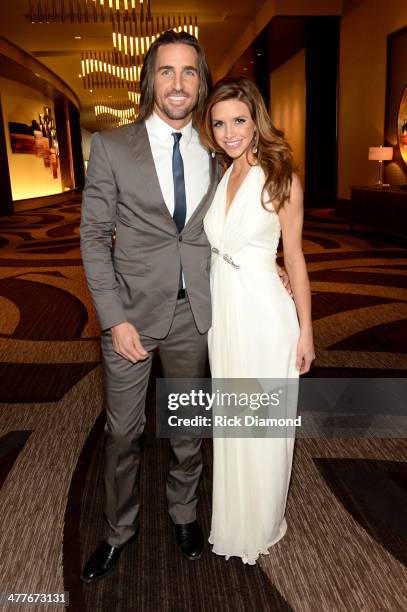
(171, 37)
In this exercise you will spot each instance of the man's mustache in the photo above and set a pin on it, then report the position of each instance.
(177, 92)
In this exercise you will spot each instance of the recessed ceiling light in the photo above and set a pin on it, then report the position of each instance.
(77, 37)
(80, 76)
(90, 90)
(245, 68)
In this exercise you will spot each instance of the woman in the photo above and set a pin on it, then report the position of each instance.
(258, 331)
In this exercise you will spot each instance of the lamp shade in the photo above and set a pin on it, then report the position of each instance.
(381, 153)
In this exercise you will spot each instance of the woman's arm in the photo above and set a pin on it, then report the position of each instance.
(291, 217)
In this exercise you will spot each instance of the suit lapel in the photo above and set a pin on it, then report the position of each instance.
(207, 198)
(140, 145)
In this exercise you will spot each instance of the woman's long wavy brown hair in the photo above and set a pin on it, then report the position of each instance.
(274, 154)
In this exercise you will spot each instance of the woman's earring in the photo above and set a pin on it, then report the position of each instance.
(213, 154)
(255, 142)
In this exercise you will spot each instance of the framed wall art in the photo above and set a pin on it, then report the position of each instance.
(402, 126)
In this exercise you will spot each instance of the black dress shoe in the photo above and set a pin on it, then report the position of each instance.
(103, 561)
(190, 540)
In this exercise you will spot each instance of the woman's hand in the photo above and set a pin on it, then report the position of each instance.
(305, 352)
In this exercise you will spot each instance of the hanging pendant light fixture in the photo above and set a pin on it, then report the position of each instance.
(83, 11)
(116, 112)
(108, 70)
(134, 97)
(134, 29)
(135, 36)
(131, 41)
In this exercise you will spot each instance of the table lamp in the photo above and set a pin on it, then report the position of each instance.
(381, 154)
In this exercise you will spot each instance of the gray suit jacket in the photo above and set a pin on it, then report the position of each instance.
(137, 281)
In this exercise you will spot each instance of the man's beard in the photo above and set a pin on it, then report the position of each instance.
(178, 113)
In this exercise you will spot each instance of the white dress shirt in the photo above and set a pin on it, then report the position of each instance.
(194, 156)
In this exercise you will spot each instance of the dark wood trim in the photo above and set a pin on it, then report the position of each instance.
(261, 68)
(368, 204)
(69, 142)
(76, 146)
(62, 126)
(6, 198)
(321, 70)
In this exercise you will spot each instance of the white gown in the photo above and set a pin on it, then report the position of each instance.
(254, 334)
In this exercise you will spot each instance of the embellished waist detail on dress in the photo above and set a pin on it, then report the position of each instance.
(249, 259)
(226, 257)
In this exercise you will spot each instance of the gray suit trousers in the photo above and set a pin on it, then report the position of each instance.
(183, 354)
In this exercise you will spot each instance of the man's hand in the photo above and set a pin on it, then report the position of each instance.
(285, 280)
(126, 342)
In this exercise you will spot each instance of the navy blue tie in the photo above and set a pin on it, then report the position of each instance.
(180, 200)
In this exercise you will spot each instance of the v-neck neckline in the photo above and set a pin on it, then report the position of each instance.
(226, 211)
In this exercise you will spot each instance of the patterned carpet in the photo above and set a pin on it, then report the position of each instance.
(346, 546)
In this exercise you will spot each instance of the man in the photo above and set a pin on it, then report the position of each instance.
(151, 183)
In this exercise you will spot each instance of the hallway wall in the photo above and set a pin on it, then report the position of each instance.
(362, 85)
(287, 105)
(28, 175)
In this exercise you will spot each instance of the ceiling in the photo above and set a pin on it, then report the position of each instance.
(54, 44)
